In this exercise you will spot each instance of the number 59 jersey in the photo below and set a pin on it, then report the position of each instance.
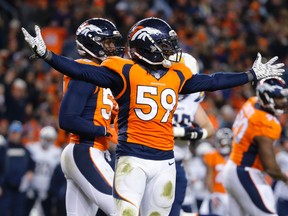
(147, 102)
(251, 122)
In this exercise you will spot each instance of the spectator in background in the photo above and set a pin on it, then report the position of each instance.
(3, 147)
(228, 115)
(17, 174)
(54, 35)
(16, 100)
(46, 157)
(2, 101)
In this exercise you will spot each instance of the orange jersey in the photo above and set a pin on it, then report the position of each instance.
(101, 115)
(251, 122)
(216, 161)
(151, 103)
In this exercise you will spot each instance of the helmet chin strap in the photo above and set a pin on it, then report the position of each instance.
(166, 63)
(146, 60)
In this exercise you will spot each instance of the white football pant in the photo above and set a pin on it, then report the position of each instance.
(144, 186)
(248, 191)
(89, 180)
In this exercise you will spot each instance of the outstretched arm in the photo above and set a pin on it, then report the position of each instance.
(224, 80)
(216, 81)
(100, 76)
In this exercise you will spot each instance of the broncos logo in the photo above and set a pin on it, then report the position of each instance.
(86, 28)
(143, 33)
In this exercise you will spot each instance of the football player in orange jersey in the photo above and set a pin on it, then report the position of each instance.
(86, 113)
(255, 130)
(215, 162)
(146, 88)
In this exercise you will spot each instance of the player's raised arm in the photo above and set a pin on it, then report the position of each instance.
(224, 80)
(100, 76)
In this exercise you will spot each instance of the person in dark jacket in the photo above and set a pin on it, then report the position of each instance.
(17, 173)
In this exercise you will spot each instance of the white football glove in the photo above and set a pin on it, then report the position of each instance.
(268, 69)
(36, 43)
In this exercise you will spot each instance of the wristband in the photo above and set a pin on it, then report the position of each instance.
(48, 55)
(178, 131)
(205, 133)
(251, 75)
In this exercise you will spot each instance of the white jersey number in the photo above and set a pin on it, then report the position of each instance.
(107, 94)
(143, 98)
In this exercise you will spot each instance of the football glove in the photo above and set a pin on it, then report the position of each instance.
(37, 44)
(268, 69)
(193, 133)
(190, 133)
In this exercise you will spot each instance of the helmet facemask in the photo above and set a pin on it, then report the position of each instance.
(112, 46)
(99, 39)
(154, 42)
(170, 50)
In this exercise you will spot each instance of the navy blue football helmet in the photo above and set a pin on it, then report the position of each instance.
(99, 38)
(272, 93)
(153, 40)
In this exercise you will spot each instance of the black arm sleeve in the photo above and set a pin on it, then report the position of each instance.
(71, 109)
(213, 82)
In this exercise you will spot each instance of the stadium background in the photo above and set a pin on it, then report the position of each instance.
(222, 35)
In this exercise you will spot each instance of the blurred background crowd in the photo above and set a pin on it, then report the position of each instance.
(222, 35)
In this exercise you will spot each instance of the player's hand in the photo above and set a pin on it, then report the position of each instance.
(268, 69)
(190, 133)
(112, 135)
(193, 133)
(36, 43)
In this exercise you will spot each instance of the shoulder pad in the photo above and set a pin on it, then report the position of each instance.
(183, 68)
(190, 62)
(115, 62)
